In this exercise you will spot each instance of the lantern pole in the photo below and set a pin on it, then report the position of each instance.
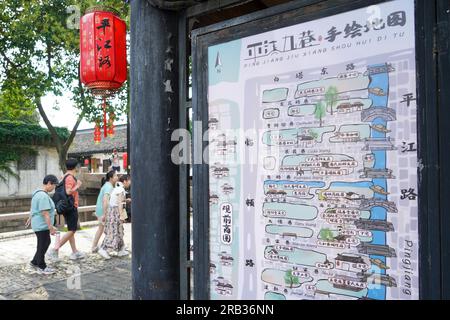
(154, 115)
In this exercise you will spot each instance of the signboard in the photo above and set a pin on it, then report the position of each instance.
(313, 159)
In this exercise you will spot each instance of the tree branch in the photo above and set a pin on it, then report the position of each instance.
(8, 60)
(49, 61)
(80, 117)
(50, 127)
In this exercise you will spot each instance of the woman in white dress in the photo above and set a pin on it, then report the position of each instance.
(114, 225)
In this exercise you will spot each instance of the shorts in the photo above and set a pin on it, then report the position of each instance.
(117, 169)
(71, 219)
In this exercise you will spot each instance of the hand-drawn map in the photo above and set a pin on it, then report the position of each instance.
(313, 160)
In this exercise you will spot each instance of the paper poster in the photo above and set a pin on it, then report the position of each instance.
(313, 160)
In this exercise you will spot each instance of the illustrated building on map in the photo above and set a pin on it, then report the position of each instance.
(276, 194)
(349, 107)
(225, 259)
(213, 123)
(379, 225)
(227, 189)
(213, 199)
(381, 250)
(354, 196)
(223, 286)
(383, 279)
(349, 262)
(382, 173)
(221, 172)
(380, 279)
(225, 147)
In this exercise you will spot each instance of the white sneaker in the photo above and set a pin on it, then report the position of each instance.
(46, 271)
(52, 254)
(77, 255)
(102, 252)
(122, 253)
(33, 266)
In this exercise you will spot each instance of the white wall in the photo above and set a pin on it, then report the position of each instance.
(30, 180)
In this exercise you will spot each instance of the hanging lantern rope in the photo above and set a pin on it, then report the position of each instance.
(105, 128)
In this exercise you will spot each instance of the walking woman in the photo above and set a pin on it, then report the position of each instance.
(114, 225)
(42, 219)
(102, 206)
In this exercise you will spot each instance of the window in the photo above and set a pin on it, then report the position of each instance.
(27, 162)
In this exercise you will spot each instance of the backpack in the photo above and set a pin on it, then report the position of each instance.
(64, 203)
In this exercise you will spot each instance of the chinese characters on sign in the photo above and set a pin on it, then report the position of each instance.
(307, 38)
(226, 212)
(103, 42)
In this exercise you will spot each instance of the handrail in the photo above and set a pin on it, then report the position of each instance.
(24, 215)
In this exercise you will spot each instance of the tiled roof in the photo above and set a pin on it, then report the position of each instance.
(83, 144)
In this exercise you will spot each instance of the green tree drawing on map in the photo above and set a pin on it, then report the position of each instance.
(314, 134)
(290, 279)
(320, 111)
(326, 234)
(331, 97)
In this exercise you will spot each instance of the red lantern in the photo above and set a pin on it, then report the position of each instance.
(97, 134)
(111, 125)
(125, 160)
(103, 66)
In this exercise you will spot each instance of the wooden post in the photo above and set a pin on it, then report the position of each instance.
(154, 115)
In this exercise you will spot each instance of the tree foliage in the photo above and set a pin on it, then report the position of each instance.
(331, 97)
(39, 55)
(290, 279)
(319, 111)
(18, 138)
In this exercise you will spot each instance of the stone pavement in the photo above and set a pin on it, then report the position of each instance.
(90, 278)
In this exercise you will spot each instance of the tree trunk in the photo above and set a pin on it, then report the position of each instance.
(62, 160)
(62, 147)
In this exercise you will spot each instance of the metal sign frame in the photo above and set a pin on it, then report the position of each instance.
(431, 136)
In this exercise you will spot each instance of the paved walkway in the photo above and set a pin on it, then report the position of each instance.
(90, 278)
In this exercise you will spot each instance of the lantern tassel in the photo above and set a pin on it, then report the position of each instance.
(105, 129)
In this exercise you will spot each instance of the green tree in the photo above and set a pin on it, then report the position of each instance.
(314, 134)
(39, 54)
(320, 111)
(326, 234)
(13, 107)
(290, 279)
(331, 97)
(18, 138)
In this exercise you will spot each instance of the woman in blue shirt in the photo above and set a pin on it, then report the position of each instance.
(42, 220)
